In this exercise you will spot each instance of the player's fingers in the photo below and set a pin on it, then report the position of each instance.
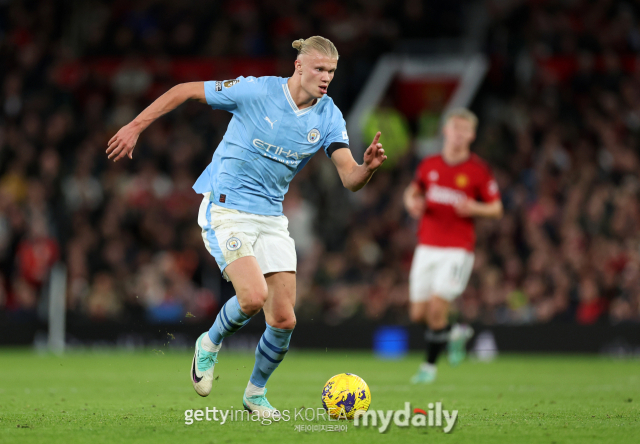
(113, 154)
(376, 138)
(116, 151)
(112, 143)
(121, 155)
(115, 136)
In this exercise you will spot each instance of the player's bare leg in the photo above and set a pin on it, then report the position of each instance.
(274, 343)
(278, 308)
(418, 312)
(251, 294)
(435, 314)
(249, 283)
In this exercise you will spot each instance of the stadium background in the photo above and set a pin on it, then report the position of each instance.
(560, 120)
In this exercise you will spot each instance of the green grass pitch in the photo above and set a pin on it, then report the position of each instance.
(106, 397)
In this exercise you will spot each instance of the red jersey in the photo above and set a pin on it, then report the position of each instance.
(444, 186)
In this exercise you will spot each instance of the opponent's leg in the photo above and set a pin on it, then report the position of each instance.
(274, 343)
(251, 293)
(438, 328)
(436, 337)
(420, 289)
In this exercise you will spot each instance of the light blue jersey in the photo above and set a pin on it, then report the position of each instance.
(267, 142)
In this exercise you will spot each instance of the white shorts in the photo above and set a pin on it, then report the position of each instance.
(231, 234)
(442, 272)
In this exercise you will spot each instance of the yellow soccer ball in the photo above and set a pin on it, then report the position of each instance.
(345, 394)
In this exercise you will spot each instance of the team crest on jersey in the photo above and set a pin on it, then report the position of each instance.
(233, 244)
(230, 83)
(433, 176)
(462, 180)
(218, 86)
(313, 136)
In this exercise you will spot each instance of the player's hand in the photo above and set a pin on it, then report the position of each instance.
(415, 206)
(123, 143)
(466, 208)
(374, 155)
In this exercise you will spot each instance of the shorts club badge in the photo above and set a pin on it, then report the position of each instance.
(233, 244)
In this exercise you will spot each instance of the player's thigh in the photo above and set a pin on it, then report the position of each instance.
(249, 282)
(279, 307)
(229, 236)
(452, 274)
(421, 276)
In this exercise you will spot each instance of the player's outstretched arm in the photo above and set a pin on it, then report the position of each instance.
(355, 176)
(123, 143)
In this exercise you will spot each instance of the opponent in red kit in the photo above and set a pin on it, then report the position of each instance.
(449, 190)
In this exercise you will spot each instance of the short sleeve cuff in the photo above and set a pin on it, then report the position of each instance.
(336, 146)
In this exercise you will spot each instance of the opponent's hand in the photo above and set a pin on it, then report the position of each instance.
(123, 143)
(374, 155)
(466, 208)
(415, 206)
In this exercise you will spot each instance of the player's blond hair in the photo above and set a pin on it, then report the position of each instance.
(316, 43)
(462, 113)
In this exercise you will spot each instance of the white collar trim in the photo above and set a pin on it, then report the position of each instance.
(294, 107)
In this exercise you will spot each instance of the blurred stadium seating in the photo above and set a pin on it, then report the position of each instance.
(560, 124)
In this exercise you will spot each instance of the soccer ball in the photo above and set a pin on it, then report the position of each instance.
(345, 394)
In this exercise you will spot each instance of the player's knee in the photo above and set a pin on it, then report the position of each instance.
(417, 316)
(252, 300)
(285, 322)
(437, 319)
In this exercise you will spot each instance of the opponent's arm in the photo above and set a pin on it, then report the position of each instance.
(473, 208)
(355, 176)
(414, 200)
(123, 143)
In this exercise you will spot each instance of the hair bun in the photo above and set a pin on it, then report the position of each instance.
(297, 44)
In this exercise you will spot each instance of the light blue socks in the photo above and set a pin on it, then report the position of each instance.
(230, 319)
(272, 347)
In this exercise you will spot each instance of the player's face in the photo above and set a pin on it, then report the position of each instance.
(459, 132)
(317, 71)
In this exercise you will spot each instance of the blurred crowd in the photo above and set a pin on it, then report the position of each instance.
(564, 150)
(562, 129)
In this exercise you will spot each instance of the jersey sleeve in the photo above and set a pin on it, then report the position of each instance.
(337, 136)
(226, 94)
(489, 191)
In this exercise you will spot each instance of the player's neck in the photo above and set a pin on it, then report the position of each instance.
(455, 156)
(300, 97)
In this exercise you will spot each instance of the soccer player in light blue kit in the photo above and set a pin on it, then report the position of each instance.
(277, 125)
